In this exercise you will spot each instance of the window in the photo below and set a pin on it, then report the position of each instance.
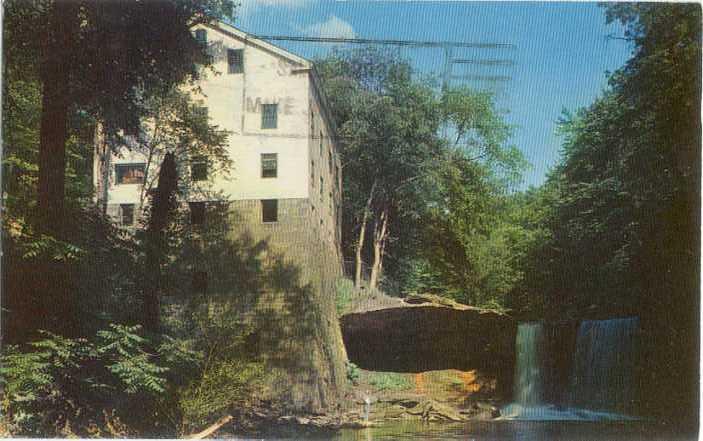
(127, 211)
(331, 200)
(321, 147)
(330, 162)
(322, 187)
(269, 210)
(130, 173)
(198, 168)
(269, 165)
(312, 123)
(201, 36)
(199, 284)
(197, 213)
(235, 60)
(269, 116)
(312, 172)
(336, 175)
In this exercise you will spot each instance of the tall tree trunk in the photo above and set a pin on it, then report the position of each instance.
(362, 236)
(54, 118)
(380, 235)
(163, 205)
(54, 294)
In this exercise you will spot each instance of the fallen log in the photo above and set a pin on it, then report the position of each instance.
(212, 429)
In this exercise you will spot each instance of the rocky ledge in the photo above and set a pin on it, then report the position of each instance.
(425, 333)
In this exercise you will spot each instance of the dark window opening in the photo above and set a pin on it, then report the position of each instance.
(201, 36)
(322, 188)
(235, 60)
(130, 173)
(127, 211)
(269, 165)
(312, 172)
(269, 116)
(321, 147)
(197, 213)
(269, 210)
(198, 168)
(330, 162)
(199, 284)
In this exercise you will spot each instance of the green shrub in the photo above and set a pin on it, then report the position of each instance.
(353, 373)
(232, 378)
(390, 381)
(40, 381)
(223, 386)
(57, 382)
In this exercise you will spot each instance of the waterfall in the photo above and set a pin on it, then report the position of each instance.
(529, 378)
(589, 370)
(604, 362)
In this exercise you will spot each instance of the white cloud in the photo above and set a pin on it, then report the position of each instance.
(333, 27)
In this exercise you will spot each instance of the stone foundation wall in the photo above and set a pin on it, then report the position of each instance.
(294, 308)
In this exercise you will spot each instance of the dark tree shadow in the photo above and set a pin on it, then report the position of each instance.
(280, 304)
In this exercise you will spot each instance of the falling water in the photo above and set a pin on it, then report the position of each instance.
(601, 373)
(529, 379)
(603, 365)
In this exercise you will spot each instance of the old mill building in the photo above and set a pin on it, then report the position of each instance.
(284, 187)
(286, 169)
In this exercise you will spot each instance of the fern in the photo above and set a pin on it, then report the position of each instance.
(65, 378)
(123, 349)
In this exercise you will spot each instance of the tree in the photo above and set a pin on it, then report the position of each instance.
(163, 205)
(624, 221)
(391, 124)
(86, 64)
(388, 123)
(105, 59)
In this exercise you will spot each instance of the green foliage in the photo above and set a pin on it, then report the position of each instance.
(231, 377)
(57, 380)
(400, 173)
(344, 295)
(353, 373)
(621, 212)
(389, 381)
(124, 354)
(140, 63)
(224, 385)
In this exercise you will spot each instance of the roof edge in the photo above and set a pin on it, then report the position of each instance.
(238, 33)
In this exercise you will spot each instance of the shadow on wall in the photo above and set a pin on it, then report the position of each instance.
(228, 276)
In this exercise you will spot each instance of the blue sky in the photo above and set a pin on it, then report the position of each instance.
(560, 62)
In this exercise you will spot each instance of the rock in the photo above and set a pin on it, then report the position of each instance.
(421, 337)
(481, 411)
(432, 410)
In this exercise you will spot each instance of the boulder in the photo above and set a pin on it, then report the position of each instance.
(426, 333)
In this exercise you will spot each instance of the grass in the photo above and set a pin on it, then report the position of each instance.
(389, 381)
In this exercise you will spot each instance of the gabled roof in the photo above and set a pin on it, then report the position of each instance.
(248, 39)
(304, 64)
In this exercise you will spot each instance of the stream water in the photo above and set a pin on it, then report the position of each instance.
(587, 396)
(519, 431)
